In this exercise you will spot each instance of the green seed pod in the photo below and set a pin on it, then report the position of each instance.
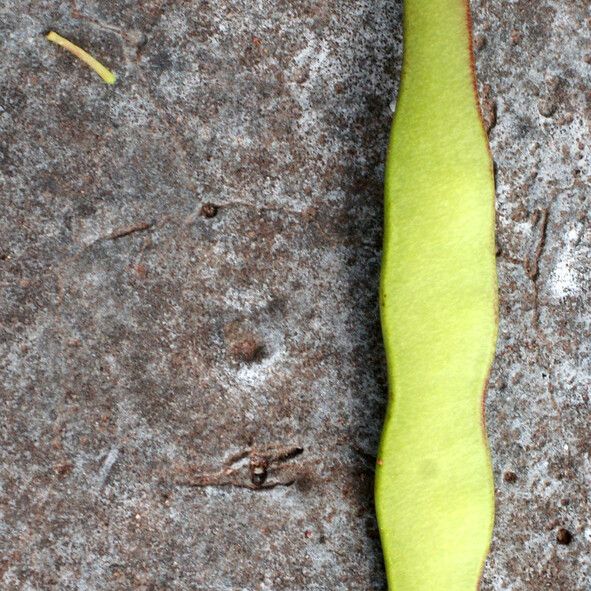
(438, 296)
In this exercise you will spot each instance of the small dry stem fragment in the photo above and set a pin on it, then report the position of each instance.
(94, 64)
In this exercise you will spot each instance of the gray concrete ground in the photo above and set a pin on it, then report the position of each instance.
(148, 342)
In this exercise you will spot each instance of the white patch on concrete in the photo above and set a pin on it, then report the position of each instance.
(564, 277)
(247, 300)
(107, 466)
(254, 375)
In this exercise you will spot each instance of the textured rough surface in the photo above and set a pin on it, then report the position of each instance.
(148, 342)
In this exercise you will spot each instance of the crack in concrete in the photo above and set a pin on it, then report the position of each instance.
(532, 263)
(136, 40)
(79, 15)
(140, 47)
(128, 230)
(247, 469)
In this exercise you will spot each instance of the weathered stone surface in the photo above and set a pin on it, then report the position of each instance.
(146, 344)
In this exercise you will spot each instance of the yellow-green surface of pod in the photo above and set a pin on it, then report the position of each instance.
(438, 297)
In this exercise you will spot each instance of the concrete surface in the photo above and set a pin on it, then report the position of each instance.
(192, 396)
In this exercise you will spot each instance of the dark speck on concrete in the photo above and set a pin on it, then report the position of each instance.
(563, 536)
(510, 477)
(247, 349)
(209, 210)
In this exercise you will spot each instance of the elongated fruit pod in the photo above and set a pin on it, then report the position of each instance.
(438, 297)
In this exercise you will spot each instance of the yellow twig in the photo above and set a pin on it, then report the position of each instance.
(101, 70)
